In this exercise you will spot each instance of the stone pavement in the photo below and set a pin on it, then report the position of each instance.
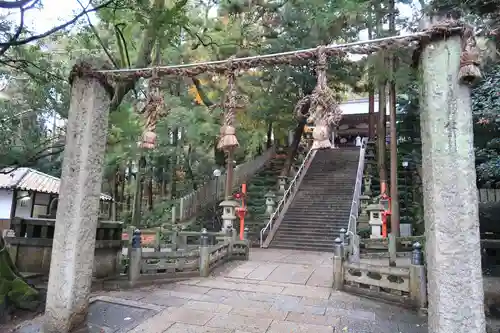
(274, 292)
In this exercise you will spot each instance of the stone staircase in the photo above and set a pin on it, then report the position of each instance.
(322, 204)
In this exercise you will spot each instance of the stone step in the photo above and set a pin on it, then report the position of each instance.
(324, 217)
(303, 234)
(303, 247)
(314, 223)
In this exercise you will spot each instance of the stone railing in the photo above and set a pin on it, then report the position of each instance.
(190, 205)
(354, 212)
(406, 285)
(161, 267)
(273, 223)
(31, 246)
(390, 247)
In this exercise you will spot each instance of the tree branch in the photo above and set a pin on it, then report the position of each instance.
(143, 57)
(30, 39)
(96, 34)
(16, 35)
(14, 4)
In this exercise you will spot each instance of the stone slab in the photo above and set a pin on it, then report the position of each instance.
(184, 328)
(104, 317)
(262, 272)
(208, 307)
(308, 291)
(238, 322)
(287, 327)
(189, 316)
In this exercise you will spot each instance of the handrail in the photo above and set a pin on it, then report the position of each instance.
(353, 214)
(292, 187)
(189, 205)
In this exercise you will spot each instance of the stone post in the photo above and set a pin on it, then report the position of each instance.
(247, 241)
(355, 257)
(342, 235)
(418, 281)
(392, 249)
(450, 195)
(73, 247)
(338, 269)
(135, 258)
(229, 239)
(204, 254)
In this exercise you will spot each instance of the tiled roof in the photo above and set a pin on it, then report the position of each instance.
(27, 179)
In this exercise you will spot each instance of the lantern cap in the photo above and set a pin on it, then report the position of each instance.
(375, 207)
(270, 194)
(228, 203)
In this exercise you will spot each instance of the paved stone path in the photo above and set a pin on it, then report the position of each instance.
(274, 292)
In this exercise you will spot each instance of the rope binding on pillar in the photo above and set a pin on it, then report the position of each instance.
(152, 111)
(228, 140)
(469, 73)
(323, 110)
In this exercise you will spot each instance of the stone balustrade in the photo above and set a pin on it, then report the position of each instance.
(31, 246)
(161, 267)
(406, 285)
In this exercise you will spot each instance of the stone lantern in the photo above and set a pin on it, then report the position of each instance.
(282, 183)
(281, 186)
(228, 214)
(270, 203)
(367, 180)
(363, 216)
(375, 219)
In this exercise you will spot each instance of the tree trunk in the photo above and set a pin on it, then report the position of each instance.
(189, 170)
(392, 123)
(122, 196)
(292, 150)
(150, 191)
(269, 141)
(371, 90)
(116, 193)
(139, 184)
(173, 165)
(129, 187)
(382, 102)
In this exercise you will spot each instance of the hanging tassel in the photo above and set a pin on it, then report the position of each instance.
(228, 140)
(469, 72)
(152, 110)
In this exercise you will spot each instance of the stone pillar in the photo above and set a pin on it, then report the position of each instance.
(453, 257)
(135, 258)
(76, 220)
(204, 254)
(418, 282)
(338, 269)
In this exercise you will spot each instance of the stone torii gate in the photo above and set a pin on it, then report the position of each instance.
(453, 246)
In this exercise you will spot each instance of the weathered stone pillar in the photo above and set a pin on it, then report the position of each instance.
(455, 283)
(76, 220)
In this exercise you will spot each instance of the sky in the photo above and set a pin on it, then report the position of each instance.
(55, 12)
